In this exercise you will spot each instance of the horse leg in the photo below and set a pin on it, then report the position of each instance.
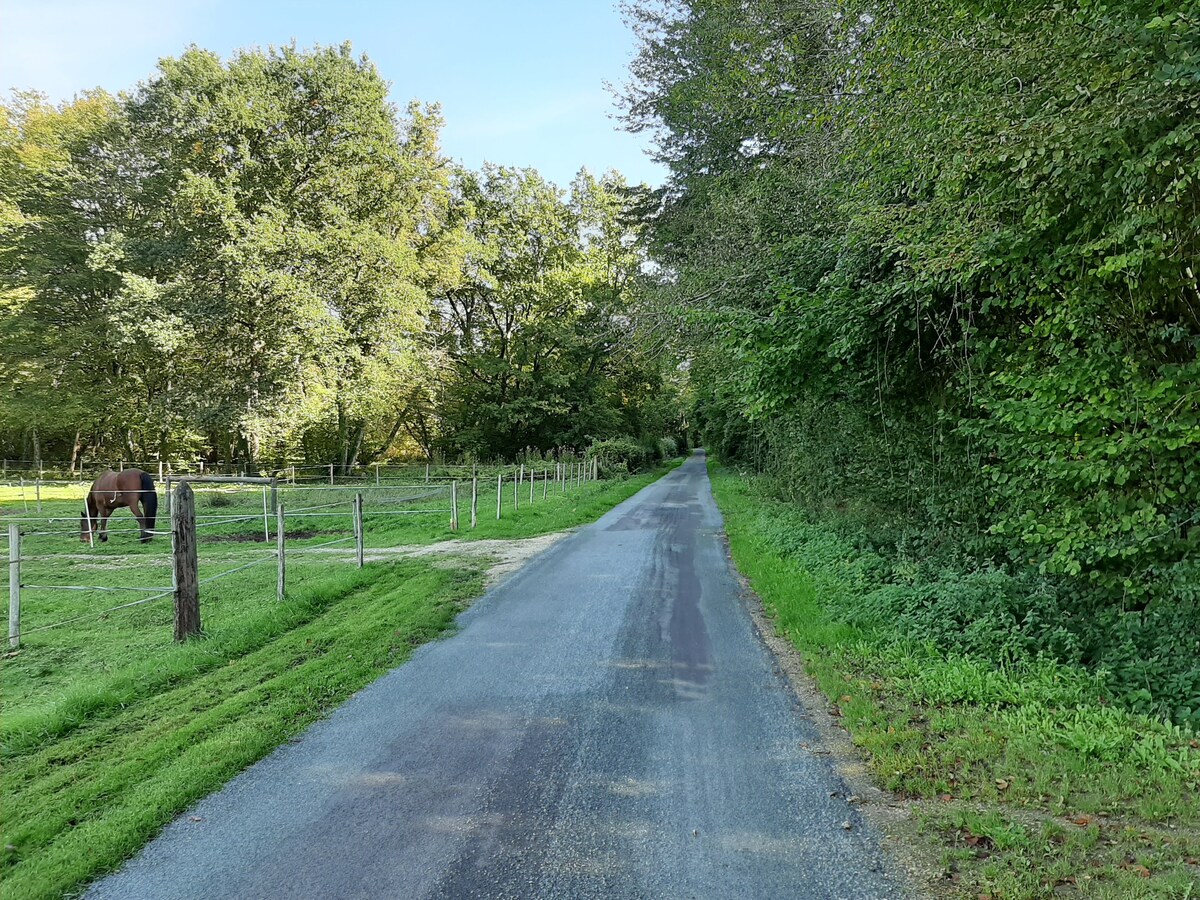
(105, 512)
(139, 513)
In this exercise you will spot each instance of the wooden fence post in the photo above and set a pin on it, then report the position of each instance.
(183, 553)
(359, 538)
(14, 585)
(454, 506)
(545, 482)
(517, 489)
(377, 474)
(279, 548)
(266, 517)
(331, 473)
(37, 487)
(532, 482)
(499, 492)
(427, 473)
(474, 502)
(274, 494)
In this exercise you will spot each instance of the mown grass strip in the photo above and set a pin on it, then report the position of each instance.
(1034, 786)
(79, 806)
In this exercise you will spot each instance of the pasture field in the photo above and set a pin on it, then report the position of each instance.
(110, 729)
(1028, 782)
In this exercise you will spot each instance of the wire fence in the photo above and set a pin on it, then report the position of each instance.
(82, 470)
(224, 512)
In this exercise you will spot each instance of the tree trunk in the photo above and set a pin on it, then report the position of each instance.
(359, 432)
(343, 449)
(247, 449)
(75, 448)
(387, 444)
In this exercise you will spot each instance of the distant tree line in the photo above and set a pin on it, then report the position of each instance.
(262, 259)
(936, 265)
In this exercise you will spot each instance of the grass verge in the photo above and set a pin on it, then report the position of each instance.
(110, 729)
(1030, 783)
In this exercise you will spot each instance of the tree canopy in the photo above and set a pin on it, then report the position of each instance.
(262, 258)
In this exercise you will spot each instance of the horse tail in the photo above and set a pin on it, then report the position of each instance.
(149, 500)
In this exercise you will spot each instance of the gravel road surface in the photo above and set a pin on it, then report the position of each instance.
(606, 723)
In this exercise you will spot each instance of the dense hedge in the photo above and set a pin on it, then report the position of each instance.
(623, 456)
(936, 262)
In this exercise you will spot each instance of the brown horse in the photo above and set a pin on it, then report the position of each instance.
(112, 490)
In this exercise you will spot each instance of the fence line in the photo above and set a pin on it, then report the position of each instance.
(256, 562)
(85, 587)
(185, 559)
(310, 508)
(106, 531)
(227, 520)
(308, 547)
(102, 612)
(407, 512)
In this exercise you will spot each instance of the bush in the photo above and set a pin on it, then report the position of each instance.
(667, 448)
(620, 456)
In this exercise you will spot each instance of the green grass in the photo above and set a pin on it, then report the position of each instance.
(1032, 784)
(110, 728)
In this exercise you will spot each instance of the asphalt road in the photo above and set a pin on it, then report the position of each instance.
(606, 723)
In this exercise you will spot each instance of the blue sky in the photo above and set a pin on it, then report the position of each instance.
(520, 82)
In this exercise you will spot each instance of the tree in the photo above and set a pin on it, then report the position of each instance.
(73, 358)
(285, 212)
(534, 328)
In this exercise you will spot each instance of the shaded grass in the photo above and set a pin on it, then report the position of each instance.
(1034, 784)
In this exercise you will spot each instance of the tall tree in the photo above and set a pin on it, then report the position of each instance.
(288, 212)
(73, 359)
(534, 326)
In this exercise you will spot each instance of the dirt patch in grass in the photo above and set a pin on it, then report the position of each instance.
(503, 557)
(257, 538)
(506, 557)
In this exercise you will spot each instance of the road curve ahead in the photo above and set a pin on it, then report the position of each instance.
(606, 723)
